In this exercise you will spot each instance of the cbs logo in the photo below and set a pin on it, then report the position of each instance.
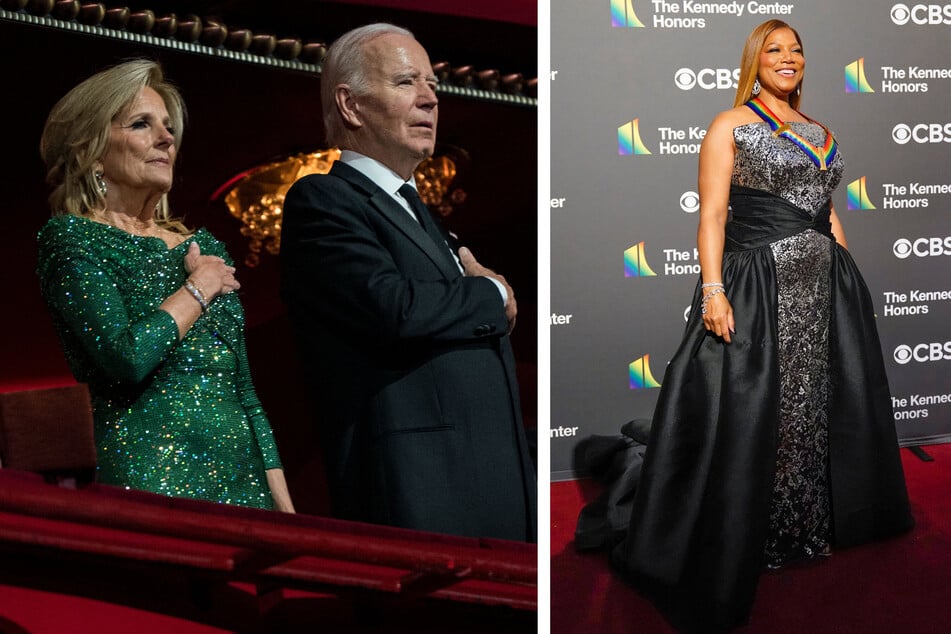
(922, 353)
(707, 78)
(922, 133)
(690, 202)
(922, 247)
(921, 14)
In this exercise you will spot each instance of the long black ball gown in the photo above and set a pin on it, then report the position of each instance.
(779, 445)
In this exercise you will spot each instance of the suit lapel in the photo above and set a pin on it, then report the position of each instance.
(393, 212)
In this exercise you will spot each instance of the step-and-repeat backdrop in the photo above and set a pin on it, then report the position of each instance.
(634, 84)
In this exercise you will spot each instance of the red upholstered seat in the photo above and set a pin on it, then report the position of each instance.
(48, 431)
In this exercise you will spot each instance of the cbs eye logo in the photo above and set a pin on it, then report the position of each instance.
(900, 14)
(902, 248)
(690, 202)
(901, 134)
(902, 354)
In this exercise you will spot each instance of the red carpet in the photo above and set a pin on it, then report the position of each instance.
(893, 587)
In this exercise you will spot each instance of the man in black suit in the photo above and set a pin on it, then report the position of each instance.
(405, 338)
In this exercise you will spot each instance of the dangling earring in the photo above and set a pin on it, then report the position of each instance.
(798, 90)
(100, 183)
(756, 87)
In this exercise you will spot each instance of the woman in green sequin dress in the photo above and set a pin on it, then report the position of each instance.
(145, 308)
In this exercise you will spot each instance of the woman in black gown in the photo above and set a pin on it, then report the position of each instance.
(773, 439)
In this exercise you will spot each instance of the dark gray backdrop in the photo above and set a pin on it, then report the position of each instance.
(672, 75)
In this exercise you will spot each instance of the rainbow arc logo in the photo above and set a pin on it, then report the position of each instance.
(622, 15)
(639, 373)
(858, 195)
(635, 262)
(855, 80)
(629, 139)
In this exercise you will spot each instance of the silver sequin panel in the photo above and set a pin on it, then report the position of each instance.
(776, 165)
(800, 512)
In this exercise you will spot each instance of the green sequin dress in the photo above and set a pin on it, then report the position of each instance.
(174, 417)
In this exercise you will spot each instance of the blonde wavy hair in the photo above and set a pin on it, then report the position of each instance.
(77, 132)
(749, 62)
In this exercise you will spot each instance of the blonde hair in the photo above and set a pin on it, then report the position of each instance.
(749, 62)
(77, 133)
(345, 63)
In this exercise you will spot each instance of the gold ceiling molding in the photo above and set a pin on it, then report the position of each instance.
(209, 36)
(256, 196)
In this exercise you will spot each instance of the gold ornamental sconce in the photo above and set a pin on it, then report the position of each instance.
(256, 196)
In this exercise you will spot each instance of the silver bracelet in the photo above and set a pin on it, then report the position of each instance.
(197, 294)
(706, 298)
(711, 284)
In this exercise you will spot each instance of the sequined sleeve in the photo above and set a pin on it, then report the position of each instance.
(87, 301)
(249, 398)
(255, 412)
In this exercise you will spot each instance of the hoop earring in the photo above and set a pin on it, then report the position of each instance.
(100, 183)
(756, 88)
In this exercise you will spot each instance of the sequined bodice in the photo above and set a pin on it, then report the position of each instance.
(776, 165)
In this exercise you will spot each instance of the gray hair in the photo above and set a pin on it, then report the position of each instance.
(345, 63)
(78, 128)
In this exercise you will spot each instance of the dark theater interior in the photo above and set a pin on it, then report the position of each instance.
(83, 557)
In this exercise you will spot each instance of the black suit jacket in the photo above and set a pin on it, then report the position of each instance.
(411, 367)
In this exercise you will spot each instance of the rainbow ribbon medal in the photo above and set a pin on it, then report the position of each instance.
(820, 156)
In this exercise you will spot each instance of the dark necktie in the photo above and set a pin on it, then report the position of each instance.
(428, 223)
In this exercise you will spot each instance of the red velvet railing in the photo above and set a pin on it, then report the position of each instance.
(269, 549)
